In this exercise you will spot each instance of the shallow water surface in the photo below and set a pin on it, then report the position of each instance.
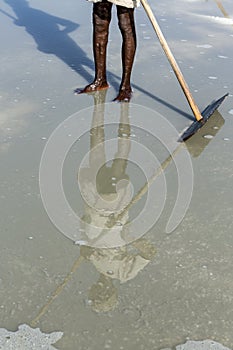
(160, 288)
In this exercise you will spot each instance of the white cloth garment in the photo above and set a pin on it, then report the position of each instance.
(125, 3)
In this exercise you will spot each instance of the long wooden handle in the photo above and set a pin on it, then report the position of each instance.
(172, 60)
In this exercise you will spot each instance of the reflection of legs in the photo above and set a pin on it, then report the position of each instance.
(121, 157)
(127, 28)
(97, 138)
(101, 21)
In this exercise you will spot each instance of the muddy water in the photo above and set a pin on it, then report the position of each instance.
(163, 288)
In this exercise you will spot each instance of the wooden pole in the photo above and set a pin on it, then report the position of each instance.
(172, 61)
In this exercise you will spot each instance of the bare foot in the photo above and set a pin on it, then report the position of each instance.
(124, 95)
(95, 86)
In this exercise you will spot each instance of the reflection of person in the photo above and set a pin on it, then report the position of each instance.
(105, 188)
(107, 195)
(101, 20)
(121, 264)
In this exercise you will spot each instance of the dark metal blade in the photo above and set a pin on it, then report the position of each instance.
(206, 114)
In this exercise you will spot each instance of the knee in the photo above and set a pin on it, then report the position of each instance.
(126, 23)
(102, 18)
(101, 28)
(103, 10)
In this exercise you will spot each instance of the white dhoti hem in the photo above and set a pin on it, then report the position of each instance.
(125, 3)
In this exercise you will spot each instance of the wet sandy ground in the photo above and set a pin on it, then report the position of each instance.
(185, 289)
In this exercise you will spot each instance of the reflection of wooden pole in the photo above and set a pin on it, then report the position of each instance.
(221, 8)
(96, 139)
(143, 190)
(58, 290)
(150, 181)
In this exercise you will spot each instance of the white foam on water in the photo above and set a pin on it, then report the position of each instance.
(205, 46)
(208, 137)
(220, 20)
(200, 345)
(81, 242)
(27, 338)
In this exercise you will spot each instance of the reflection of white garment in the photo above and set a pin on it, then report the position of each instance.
(117, 263)
(100, 223)
(125, 3)
(103, 224)
(107, 203)
(102, 211)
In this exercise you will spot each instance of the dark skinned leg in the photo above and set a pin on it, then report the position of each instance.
(127, 28)
(101, 21)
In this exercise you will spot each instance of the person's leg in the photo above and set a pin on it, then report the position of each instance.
(127, 28)
(101, 21)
